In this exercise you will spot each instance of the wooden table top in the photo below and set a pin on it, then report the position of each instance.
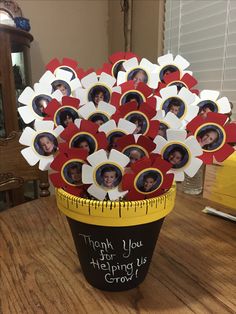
(192, 270)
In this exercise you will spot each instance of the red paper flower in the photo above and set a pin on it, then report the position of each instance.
(176, 78)
(135, 146)
(68, 65)
(149, 178)
(83, 134)
(141, 94)
(141, 116)
(213, 134)
(62, 113)
(68, 165)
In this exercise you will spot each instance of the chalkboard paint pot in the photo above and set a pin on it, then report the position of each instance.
(115, 240)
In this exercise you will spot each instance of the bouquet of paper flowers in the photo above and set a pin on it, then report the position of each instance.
(125, 131)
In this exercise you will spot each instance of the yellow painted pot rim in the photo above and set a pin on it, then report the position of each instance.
(116, 214)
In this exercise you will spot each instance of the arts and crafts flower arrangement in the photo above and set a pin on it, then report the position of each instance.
(125, 131)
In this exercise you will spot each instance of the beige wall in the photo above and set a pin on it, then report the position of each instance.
(73, 28)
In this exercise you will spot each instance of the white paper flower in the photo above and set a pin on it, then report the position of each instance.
(180, 103)
(97, 88)
(42, 143)
(62, 80)
(208, 102)
(99, 114)
(105, 174)
(145, 71)
(181, 151)
(36, 100)
(168, 64)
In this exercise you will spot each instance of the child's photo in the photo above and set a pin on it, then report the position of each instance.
(66, 116)
(118, 67)
(62, 86)
(174, 105)
(99, 93)
(108, 176)
(206, 106)
(132, 96)
(148, 181)
(98, 118)
(138, 75)
(140, 122)
(134, 153)
(84, 141)
(113, 138)
(45, 144)
(72, 173)
(210, 137)
(39, 103)
(177, 155)
(167, 70)
(162, 130)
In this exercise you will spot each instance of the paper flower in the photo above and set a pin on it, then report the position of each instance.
(115, 130)
(96, 88)
(83, 134)
(142, 93)
(148, 179)
(42, 143)
(62, 80)
(180, 103)
(35, 101)
(213, 134)
(209, 102)
(145, 72)
(99, 114)
(105, 174)
(167, 121)
(67, 65)
(68, 167)
(141, 116)
(117, 59)
(181, 151)
(135, 146)
(168, 64)
(178, 79)
(62, 113)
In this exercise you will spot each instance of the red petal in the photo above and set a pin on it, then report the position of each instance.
(70, 63)
(127, 86)
(74, 190)
(58, 162)
(230, 130)
(224, 152)
(195, 91)
(144, 89)
(53, 65)
(127, 108)
(107, 68)
(101, 140)
(153, 129)
(128, 181)
(63, 147)
(52, 107)
(146, 143)
(77, 153)
(115, 99)
(89, 126)
(69, 131)
(168, 181)
(125, 141)
(161, 164)
(171, 77)
(141, 164)
(57, 180)
(70, 101)
(189, 80)
(152, 102)
(147, 110)
(207, 158)
(216, 118)
(195, 123)
(116, 57)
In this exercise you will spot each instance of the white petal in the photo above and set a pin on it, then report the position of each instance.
(193, 167)
(119, 158)
(153, 80)
(89, 80)
(179, 175)
(43, 88)
(107, 79)
(115, 194)
(159, 101)
(27, 136)
(126, 126)
(194, 146)
(136, 136)
(116, 89)
(47, 78)
(181, 62)
(44, 163)
(26, 96)
(187, 96)
(107, 127)
(106, 107)
(166, 59)
(77, 122)
(64, 75)
(27, 114)
(75, 83)
(87, 174)
(57, 131)
(97, 158)
(44, 126)
(87, 110)
(160, 143)
(121, 78)
(130, 64)
(30, 156)
(57, 94)
(167, 92)
(82, 95)
(224, 105)
(160, 115)
(209, 94)
(192, 112)
(172, 121)
(187, 72)
(176, 135)
(97, 192)
(147, 65)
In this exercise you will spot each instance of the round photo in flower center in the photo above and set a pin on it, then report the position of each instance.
(113, 138)
(179, 85)
(174, 105)
(118, 67)
(177, 155)
(45, 144)
(140, 121)
(206, 106)
(39, 103)
(98, 118)
(134, 153)
(108, 176)
(210, 137)
(62, 86)
(132, 96)
(99, 93)
(73, 173)
(138, 75)
(162, 130)
(65, 116)
(148, 181)
(84, 141)
(166, 70)
(69, 70)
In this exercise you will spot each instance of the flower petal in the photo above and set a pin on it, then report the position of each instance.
(27, 136)
(179, 175)
(224, 105)
(193, 167)
(97, 192)
(194, 146)
(26, 96)
(106, 107)
(209, 94)
(168, 92)
(160, 142)
(89, 80)
(121, 78)
(44, 126)
(166, 59)
(57, 180)
(224, 152)
(130, 64)
(64, 75)
(230, 130)
(87, 174)
(176, 135)
(44, 163)
(30, 156)
(115, 194)
(181, 62)
(153, 80)
(47, 78)
(172, 120)
(192, 112)
(147, 65)
(98, 157)
(75, 84)
(107, 79)
(86, 110)
(186, 96)
(27, 114)
(119, 158)
(107, 127)
(43, 88)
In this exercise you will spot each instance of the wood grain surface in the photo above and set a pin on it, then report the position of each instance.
(192, 270)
